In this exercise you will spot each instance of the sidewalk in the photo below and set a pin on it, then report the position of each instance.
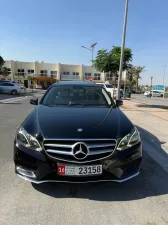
(151, 120)
(29, 90)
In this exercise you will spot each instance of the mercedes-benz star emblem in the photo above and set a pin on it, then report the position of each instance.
(80, 150)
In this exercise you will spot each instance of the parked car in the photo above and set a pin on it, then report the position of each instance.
(153, 94)
(77, 133)
(108, 87)
(11, 88)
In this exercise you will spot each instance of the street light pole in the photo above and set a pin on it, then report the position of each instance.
(92, 50)
(122, 49)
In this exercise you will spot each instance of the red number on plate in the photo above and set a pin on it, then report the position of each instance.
(61, 170)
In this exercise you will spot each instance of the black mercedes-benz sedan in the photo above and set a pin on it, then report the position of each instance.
(77, 133)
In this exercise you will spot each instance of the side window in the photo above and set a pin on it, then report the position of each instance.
(4, 84)
(7, 84)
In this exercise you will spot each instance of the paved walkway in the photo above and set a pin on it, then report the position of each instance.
(151, 120)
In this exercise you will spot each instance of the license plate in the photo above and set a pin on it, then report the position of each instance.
(69, 170)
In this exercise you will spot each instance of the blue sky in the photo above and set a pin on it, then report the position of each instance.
(54, 30)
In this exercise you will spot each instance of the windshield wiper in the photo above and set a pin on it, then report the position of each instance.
(107, 115)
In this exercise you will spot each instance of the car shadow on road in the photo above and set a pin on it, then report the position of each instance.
(152, 106)
(152, 181)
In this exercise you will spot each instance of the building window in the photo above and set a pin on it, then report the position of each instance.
(43, 72)
(75, 73)
(87, 75)
(30, 71)
(9, 70)
(109, 77)
(21, 72)
(96, 76)
(53, 73)
(65, 73)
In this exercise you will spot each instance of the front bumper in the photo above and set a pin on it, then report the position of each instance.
(38, 167)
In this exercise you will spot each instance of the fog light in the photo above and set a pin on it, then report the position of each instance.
(25, 172)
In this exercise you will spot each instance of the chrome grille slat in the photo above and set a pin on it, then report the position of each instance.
(100, 145)
(89, 146)
(59, 152)
(59, 145)
(79, 139)
(62, 149)
(99, 152)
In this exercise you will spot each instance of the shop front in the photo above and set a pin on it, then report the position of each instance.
(43, 82)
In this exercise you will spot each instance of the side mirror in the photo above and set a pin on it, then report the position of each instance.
(109, 93)
(119, 103)
(34, 101)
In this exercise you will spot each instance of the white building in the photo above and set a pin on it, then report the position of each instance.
(43, 73)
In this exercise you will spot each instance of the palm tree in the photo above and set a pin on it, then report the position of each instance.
(130, 77)
(137, 71)
(134, 75)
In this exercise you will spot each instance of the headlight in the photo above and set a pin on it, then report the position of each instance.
(129, 140)
(27, 140)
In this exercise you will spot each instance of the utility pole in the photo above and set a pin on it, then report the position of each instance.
(151, 85)
(122, 49)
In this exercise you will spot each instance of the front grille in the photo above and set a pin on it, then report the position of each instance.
(63, 149)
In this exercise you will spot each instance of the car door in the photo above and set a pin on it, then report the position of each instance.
(7, 88)
(11, 87)
(3, 87)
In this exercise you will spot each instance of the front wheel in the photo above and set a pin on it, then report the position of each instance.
(14, 92)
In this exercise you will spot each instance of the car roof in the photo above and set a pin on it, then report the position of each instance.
(80, 83)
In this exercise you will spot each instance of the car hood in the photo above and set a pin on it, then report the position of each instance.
(64, 122)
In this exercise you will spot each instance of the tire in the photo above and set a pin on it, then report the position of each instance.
(14, 92)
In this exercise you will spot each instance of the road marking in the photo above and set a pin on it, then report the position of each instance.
(13, 99)
(10, 100)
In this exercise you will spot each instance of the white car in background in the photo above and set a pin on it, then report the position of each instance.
(147, 93)
(153, 94)
(11, 88)
(108, 87)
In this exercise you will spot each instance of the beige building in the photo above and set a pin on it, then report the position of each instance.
(41, 73)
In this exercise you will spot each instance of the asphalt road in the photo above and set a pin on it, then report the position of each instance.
(4, 97)
(151, 101)
(142, 201)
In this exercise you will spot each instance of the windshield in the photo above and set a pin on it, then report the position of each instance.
(76, 95)
(109, 86)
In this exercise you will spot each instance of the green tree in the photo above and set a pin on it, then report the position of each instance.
(109, 62)
(1, 62)
(101, 61)
(4, 71)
